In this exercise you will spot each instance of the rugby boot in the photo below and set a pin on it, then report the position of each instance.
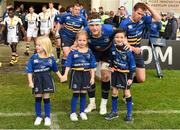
(91, 106)
(103, 109)
(128, 119)
(111, 115)
(16, 58)
(13, 60)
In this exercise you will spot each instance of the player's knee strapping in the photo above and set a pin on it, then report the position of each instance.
(82, 101)
(91, 91)
(38, 106)
(105, 86)
(74, 102)
(47, 107)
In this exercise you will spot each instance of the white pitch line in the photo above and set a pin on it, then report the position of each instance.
(54, 122)
(55, 114)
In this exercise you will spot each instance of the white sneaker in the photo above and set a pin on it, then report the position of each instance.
(38, 121)
(90, 108)
(83, 116)
(47, 121)
(74, 117)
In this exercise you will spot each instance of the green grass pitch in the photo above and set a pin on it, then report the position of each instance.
(156, 105)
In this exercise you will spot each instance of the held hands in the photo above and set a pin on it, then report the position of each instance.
(63, 78)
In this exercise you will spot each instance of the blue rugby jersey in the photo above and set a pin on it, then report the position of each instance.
(122, 61)
(57, 18)
(72, 24)
(77, 60)
(154, 29)
(37, 64)
(83, 12)
(135, 30)
(102, 43)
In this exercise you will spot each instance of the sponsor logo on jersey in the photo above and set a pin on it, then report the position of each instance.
(74, 86)
(130, 26)
(124, 57)
(36, 89)
(11, 27)
(80, 19)
(36, 61)
(76, 55)
(106, 40)
(114, 53)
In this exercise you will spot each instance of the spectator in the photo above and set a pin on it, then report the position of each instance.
(120, 16)
(101, 11)
(110, 19)
(104, 16)
(93, 10)
(171, 27)
(164, 22)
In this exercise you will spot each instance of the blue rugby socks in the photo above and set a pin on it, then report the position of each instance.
(38, 106)
(82, 102)
(47, 107)
(74, 102)
(129, 106)
(114, 103)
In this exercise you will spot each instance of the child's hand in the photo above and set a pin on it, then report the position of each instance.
(136, 50)
(129, 82)
(74, 46)
(92, 81)
(31, 85)
(63, 78)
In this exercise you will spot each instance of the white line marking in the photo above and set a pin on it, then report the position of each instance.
(54, 122)
(55, 114)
